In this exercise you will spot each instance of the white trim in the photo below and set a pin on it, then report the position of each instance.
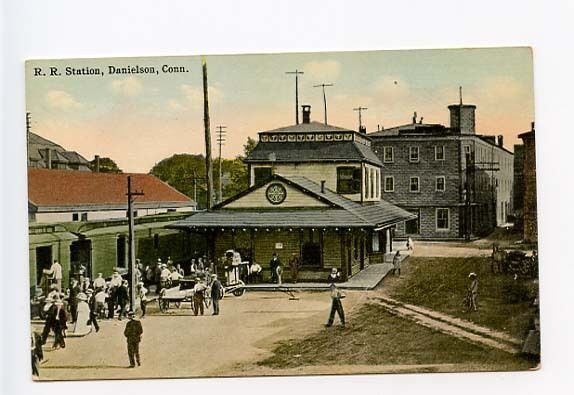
(447, 218)
(385, 154)
(385, 184)
(418, 154)
(436, 152)
(418, 184)
(443, 184)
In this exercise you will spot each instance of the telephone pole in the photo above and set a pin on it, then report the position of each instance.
(208, 163)
(220, 141)
(324, 97)
(131, 245)
(360, 110)
(296, 72)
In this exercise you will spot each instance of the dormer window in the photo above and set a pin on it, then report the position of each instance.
(348, 180)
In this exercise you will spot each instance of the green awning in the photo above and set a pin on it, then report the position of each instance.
(50, 237)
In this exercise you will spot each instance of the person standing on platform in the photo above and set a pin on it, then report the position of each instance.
(56, 275)
(72, 299)
(142, 292)
(92, 304)
(133, 333)
(294, 263)
(123, 299)
(274, 263)
(198, 296)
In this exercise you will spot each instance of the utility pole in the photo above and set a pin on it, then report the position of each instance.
(131, 245)
(360, 110)
(208, 163)
(220, 141)
(296, 72)
(324, 97)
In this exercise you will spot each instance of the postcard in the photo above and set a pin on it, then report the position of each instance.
(282, 214)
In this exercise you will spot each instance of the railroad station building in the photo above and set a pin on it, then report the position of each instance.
(315, 190)
(458, 183)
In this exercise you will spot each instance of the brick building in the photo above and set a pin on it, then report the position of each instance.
(314, 191)
(44, 153)
(457, 182)
(528, 201)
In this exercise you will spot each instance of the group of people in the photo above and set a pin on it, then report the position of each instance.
(294, 263)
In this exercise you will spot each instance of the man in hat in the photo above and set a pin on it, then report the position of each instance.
(55, 273)
(274, 263)
(334, 276)
(133, 333)
(49, 314)
(216, 293)
(198, 296)
(115, 284)
(142, 293)
(92, 304)
(397, 264)
(59, 324)
(472, 292)
(123, 298)
(336, 304)
(72, 299)
(99, 282)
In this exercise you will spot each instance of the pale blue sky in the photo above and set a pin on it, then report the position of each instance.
(140, 119)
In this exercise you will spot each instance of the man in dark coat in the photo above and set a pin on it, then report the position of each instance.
(216, 293)
(336, 304)
(133, 333)
(274, 263)
(123, 298)
(294, 263)
(93, 310)
(59, 324)
(72, 299)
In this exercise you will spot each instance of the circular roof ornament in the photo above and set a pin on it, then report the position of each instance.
(276, 193)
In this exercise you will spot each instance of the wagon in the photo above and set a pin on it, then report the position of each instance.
(175, 296)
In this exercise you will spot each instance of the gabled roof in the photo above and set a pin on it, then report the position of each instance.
(51, 188)
(38, 144)
(342, 212)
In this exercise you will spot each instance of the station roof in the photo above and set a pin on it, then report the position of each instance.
(342, 212)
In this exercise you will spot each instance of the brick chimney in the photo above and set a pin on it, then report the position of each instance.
(500, 141)
(322, 186)
(48, 158)
(97, 163)
(306, 113)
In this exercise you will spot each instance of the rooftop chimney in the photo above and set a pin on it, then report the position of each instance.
(97, 163)
(306, 113)
(363, 129)
(322, 186)
(500, 141)
(48, 158)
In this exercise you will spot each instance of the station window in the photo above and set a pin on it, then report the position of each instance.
(348, 180)
(261, 174)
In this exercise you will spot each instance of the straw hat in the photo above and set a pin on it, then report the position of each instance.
(82, 296)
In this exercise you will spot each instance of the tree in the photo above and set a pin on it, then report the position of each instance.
(107, 165)
(248, 147)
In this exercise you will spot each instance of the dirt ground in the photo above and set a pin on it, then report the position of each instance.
(179, 344)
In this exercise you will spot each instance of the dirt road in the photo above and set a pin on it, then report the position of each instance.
(181, 345)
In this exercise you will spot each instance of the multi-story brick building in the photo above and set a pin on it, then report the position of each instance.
(457, 182)
(528, 198)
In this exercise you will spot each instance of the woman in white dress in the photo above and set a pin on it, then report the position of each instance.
(81, 326)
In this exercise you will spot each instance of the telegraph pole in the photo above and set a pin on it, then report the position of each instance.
(324, 97)
(220, 141)
(296, 72)
(131, 245)
(208, 163)
(360, 110)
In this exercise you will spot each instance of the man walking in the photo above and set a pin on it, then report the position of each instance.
(142, 293)
(72, 301)
(397, 264)
(294, 263)
(216, 293)
(133, 333)
(93, 310)
(336, 305)
(472, 293)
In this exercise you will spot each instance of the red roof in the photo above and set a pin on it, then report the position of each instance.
(50, 187)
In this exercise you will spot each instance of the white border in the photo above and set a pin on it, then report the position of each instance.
(63, 28)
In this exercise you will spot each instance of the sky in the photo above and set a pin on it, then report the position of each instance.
(140, 119)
